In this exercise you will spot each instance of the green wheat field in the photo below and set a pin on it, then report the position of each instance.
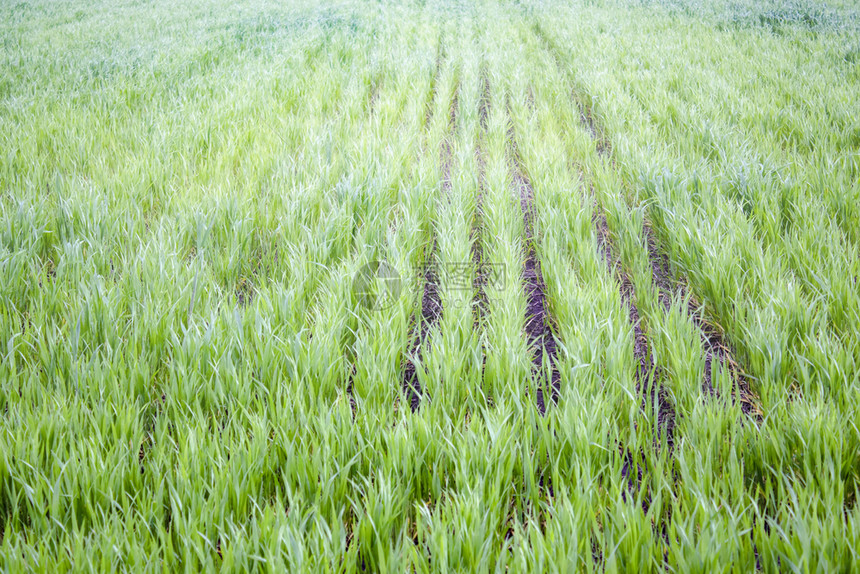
(433, 286)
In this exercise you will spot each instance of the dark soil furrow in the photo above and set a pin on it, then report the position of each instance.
(647, 374)
(349, 393)
(484, 108)
(431, 101)
(373, 96)
(431, 299)
(713, 344)
(712, 340)
(370, 110)
(431, 312)
(583, 105)
(158, 406)
(480, 301)
(539, 325)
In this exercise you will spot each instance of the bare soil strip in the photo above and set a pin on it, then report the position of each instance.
(411, 385)
(480, 302)
(539, 324)
(648, 374)
(431, 299)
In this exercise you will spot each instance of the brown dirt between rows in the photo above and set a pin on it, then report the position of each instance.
(352, 403)
(711, 338)
(484, 109)
(480, 302)
(712, 341)
(647, 374)
(373, 96)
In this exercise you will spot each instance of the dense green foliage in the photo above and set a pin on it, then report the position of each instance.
(189, 381)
